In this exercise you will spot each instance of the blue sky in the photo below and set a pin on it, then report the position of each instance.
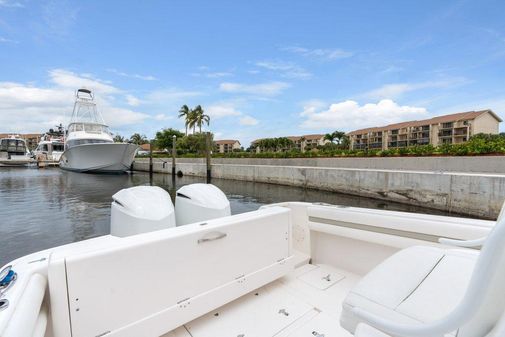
(258, 68)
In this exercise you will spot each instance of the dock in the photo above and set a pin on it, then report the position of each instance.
(20, 163)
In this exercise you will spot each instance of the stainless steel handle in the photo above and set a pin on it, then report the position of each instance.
(217, 236)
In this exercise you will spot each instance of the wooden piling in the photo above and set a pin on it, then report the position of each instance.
(207, 155)
(174, 139)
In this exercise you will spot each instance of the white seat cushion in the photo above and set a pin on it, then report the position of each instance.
(417, 284)
(364, 330)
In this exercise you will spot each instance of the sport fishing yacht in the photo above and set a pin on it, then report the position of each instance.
(291, 269)
(89, 146)
(14, 152)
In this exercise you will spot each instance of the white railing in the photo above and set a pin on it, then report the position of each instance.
(29, 318)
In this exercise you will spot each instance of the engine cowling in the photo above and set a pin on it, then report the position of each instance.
(200, 202)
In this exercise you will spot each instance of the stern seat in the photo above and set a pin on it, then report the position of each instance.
(416, 285)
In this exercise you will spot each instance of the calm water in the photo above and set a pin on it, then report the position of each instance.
(44, 208)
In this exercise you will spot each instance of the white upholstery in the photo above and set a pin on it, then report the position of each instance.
(364, 330)
(417, 284)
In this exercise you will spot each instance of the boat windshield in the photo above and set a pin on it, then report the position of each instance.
(88, 128)
(13, 146)
(58, 147)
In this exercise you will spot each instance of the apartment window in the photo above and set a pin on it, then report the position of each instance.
(447, 125)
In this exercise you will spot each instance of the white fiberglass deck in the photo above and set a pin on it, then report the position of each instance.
(305, 303)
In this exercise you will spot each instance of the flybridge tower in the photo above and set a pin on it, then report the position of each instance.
(85, 109)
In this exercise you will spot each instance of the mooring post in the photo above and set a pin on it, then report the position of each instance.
(150, 158)
(174, 139)
(207, 153)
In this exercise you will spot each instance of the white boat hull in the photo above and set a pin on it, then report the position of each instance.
(16, 161)
(99, 157)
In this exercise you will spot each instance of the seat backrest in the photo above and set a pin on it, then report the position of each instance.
(158, 281)
(487, 284)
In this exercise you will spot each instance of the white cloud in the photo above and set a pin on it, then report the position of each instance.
(261, 89)
(248, 121)
(137, 76)
(395, 90)
(205, 71)
(132, 100)
(10, 3)
(220, 110)
(162, 117)
(286, 69)
(348, 115)
(67, 79)
(5, 40)
(38, 108)
(171, 95)
(325, 54)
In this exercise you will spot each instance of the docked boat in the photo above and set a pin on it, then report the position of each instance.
(89, 146)
(291, 269)
(49, 148)
(14, 152)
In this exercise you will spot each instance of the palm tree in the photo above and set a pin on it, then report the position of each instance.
(339, 136)
(330, 137)
(200, 117)
(185, 112)
(191, 120)
(138, 139)
(118, 139)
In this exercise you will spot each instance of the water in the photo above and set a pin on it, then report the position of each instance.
(44, 208)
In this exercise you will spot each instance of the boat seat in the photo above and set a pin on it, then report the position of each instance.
(416, 285)
(428, 291)
(364, 330)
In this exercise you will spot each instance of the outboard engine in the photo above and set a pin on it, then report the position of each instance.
(141, 209)
(200, 202)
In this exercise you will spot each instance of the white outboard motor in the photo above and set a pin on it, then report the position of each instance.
(200, 202)
(141, 209)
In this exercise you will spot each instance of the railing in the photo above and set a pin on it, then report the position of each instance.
(29, 317)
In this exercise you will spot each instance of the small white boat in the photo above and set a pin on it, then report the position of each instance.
(14, 152)
(49, 148)
(292, 269)
(89, 146)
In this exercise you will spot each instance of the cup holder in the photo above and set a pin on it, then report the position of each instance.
(4, 304)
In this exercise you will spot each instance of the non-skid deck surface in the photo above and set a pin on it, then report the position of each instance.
(305, 303)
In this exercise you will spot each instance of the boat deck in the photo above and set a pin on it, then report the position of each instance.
(306, 302)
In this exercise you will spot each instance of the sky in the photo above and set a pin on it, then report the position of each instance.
(258, 68)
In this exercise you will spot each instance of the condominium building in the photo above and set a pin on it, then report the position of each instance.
(32, 139)
(302, 143)
(227, 145)
(448, 129)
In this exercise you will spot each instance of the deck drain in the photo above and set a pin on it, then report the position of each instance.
(284, 312)
(4, 303)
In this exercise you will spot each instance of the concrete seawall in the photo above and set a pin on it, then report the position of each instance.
(462, 190)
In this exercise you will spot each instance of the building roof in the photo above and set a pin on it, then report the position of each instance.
(21, 135)
(145, 147)
(226, 141)
(460, 116)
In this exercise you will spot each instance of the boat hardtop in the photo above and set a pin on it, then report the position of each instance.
(291, 269)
